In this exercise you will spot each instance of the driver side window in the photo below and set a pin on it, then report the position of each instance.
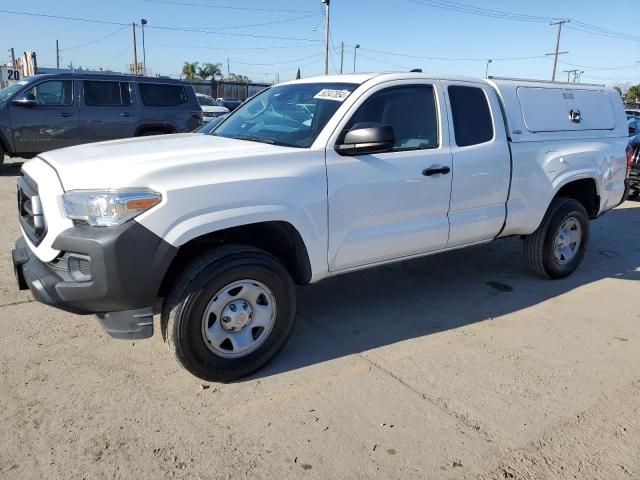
(53, 92)
(410, 111)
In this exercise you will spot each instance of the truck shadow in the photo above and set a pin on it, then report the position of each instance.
(354, 313)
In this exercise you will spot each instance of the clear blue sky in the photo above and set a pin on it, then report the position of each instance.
(400, 27)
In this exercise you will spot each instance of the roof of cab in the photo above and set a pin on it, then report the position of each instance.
(103, 76)
(360, 78)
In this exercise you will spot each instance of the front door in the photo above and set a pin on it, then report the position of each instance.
(52, 122)
(394, 204)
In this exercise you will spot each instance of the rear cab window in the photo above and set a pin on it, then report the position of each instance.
(98, 93)
(159, 95)
(472, 120)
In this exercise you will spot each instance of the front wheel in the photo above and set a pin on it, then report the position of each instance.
(557, 247)
(229, 313)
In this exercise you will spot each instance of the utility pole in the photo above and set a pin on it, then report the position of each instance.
(135, 50)
(13, 57)
(555, 55)
(143, 22)
(326, 36)
(228, 68)
(57, 55)
(341, 56)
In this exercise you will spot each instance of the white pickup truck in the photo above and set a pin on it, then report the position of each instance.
(307, 180)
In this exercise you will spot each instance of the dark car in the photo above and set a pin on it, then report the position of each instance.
(633, 159)
(230, 103)
(44, 112)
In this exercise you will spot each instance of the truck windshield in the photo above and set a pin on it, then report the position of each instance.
(290, 115)
(5, 93)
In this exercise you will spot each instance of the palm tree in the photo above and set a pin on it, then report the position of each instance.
(633, 94)
(233, 77)
(189, 70)
(207, 70)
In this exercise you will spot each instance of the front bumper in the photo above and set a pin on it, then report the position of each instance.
(115, 272)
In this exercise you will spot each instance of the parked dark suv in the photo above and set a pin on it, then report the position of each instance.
(45, 112)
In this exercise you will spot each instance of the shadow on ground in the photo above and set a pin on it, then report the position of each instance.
(368, 309)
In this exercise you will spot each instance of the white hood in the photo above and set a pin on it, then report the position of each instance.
(146, 161)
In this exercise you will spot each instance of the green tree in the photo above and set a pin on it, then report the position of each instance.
(618, 89)
(189, 70)
(233, 77)
(633, 94)
(207, 70)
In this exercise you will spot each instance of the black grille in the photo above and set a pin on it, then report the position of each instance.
(30, 210)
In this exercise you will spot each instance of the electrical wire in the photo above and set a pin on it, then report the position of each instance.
(247, 9)
(276, 63)
(452, 59)
(95, 41)
(159, 27)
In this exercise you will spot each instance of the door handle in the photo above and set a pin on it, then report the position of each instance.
(427, 172)
(65, 114)
(127, 114)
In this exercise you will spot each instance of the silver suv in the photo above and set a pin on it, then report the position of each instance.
(45, 112)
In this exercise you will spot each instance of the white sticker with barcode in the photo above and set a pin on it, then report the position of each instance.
(329, 94)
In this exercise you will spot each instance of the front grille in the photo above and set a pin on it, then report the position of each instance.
(30, 210)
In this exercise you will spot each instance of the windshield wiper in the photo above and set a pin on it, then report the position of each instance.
(253, 138)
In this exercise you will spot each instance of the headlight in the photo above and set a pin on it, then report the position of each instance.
(108, 208)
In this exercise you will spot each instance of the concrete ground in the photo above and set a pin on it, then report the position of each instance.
(456, 366)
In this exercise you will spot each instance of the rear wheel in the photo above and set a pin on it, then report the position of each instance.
(557, 247)
(229, 313)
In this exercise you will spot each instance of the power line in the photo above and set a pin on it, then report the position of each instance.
(95, 41)
(160, 27)
(621, 67)
(206, 47)
(277, 63)
(452, 59)
(247, 9)
(274, 22)
(505, 15)
(484, 12)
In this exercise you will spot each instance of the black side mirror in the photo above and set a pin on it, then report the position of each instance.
(366, 138)
(25, 100)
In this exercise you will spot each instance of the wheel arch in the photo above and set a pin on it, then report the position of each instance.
(154, 127)
(278, 238)
(585, 189)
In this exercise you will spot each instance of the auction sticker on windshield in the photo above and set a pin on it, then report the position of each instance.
(329, 94)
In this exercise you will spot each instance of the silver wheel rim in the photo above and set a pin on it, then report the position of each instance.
(567, 241)
(239, 319)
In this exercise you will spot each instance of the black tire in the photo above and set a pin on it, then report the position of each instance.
(152, 133)
(539, 246)
(184, 308)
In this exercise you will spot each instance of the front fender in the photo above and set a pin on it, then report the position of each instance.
(202, 223)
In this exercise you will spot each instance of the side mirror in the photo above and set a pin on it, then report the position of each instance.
(24, 100)
(367, 138)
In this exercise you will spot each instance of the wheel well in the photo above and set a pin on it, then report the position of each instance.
(280, 239)
(154, 128)
(585, 192)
